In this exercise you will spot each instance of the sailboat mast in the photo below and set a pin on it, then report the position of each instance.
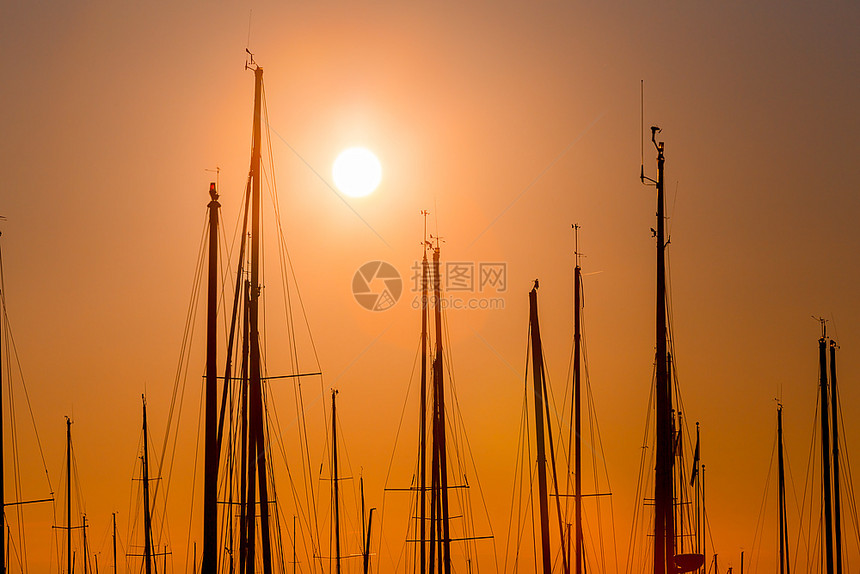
(577, 416)
(367, 542)
(825, 453)
(69, 493)
(147, 517)
(537, 377)
(257, 460)
(335, 480)
(439, 447)
(664, 527)
(699, 496)
(210, 475)
(246, 491)
(783, 521)
(86, 551)
(837, 518)
(113, 520)
(2, 465)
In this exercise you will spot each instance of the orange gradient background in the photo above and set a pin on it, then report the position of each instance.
(509, 122)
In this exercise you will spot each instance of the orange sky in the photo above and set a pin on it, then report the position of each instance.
(508, 121)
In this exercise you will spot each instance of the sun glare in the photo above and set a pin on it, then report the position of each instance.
(356, 172)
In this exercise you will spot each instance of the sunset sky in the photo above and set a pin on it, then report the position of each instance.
(508, 121)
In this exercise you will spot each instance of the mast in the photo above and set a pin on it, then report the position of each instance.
(537, 377)
(257, 451)
(698, 495)
(440, 460)
(246, 506)
(664, 520)
(2, 465)
(210, 475)
(422, 456)
(365, 532)
(577, 418)
(113, 517)
(837, 518)
(704, 520)
(86, 553)
(147, 517)
(825, 452)
(69, 493)
(335, 480)
(367, 542)
(783, 519)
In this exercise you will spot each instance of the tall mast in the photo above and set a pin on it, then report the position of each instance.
(86, 552)
(147, 517)
(537, 377)
(246, 512)
(69, 493)
(783, 520)
(577, 416)
(257, 450)
(365, 531)
(2, 466)
(664, 520)
(210, 475)
(440, 460)
(825, 451)
(422, 455)
(335, 480)
(700, 502)
(837, 518)
(113, 520)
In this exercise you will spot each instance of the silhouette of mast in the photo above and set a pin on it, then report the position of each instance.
(837, 518)
(825, 451)
(577, 417)
(245, 489)
(113, 521)
(2, 465)
(335, 479)
(440, 534)
(69, 493)
(664, 519)
(783, 519)
(537, 377)
(147, 516)
(211, 450)
(256, 459)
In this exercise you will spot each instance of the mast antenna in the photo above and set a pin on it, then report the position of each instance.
(250, 64)
(248, 42)
(577, 255)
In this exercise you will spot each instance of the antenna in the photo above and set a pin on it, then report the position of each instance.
(576, 227)
(250, 13)
(654, 131)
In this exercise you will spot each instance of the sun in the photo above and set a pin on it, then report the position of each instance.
(356, 172)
